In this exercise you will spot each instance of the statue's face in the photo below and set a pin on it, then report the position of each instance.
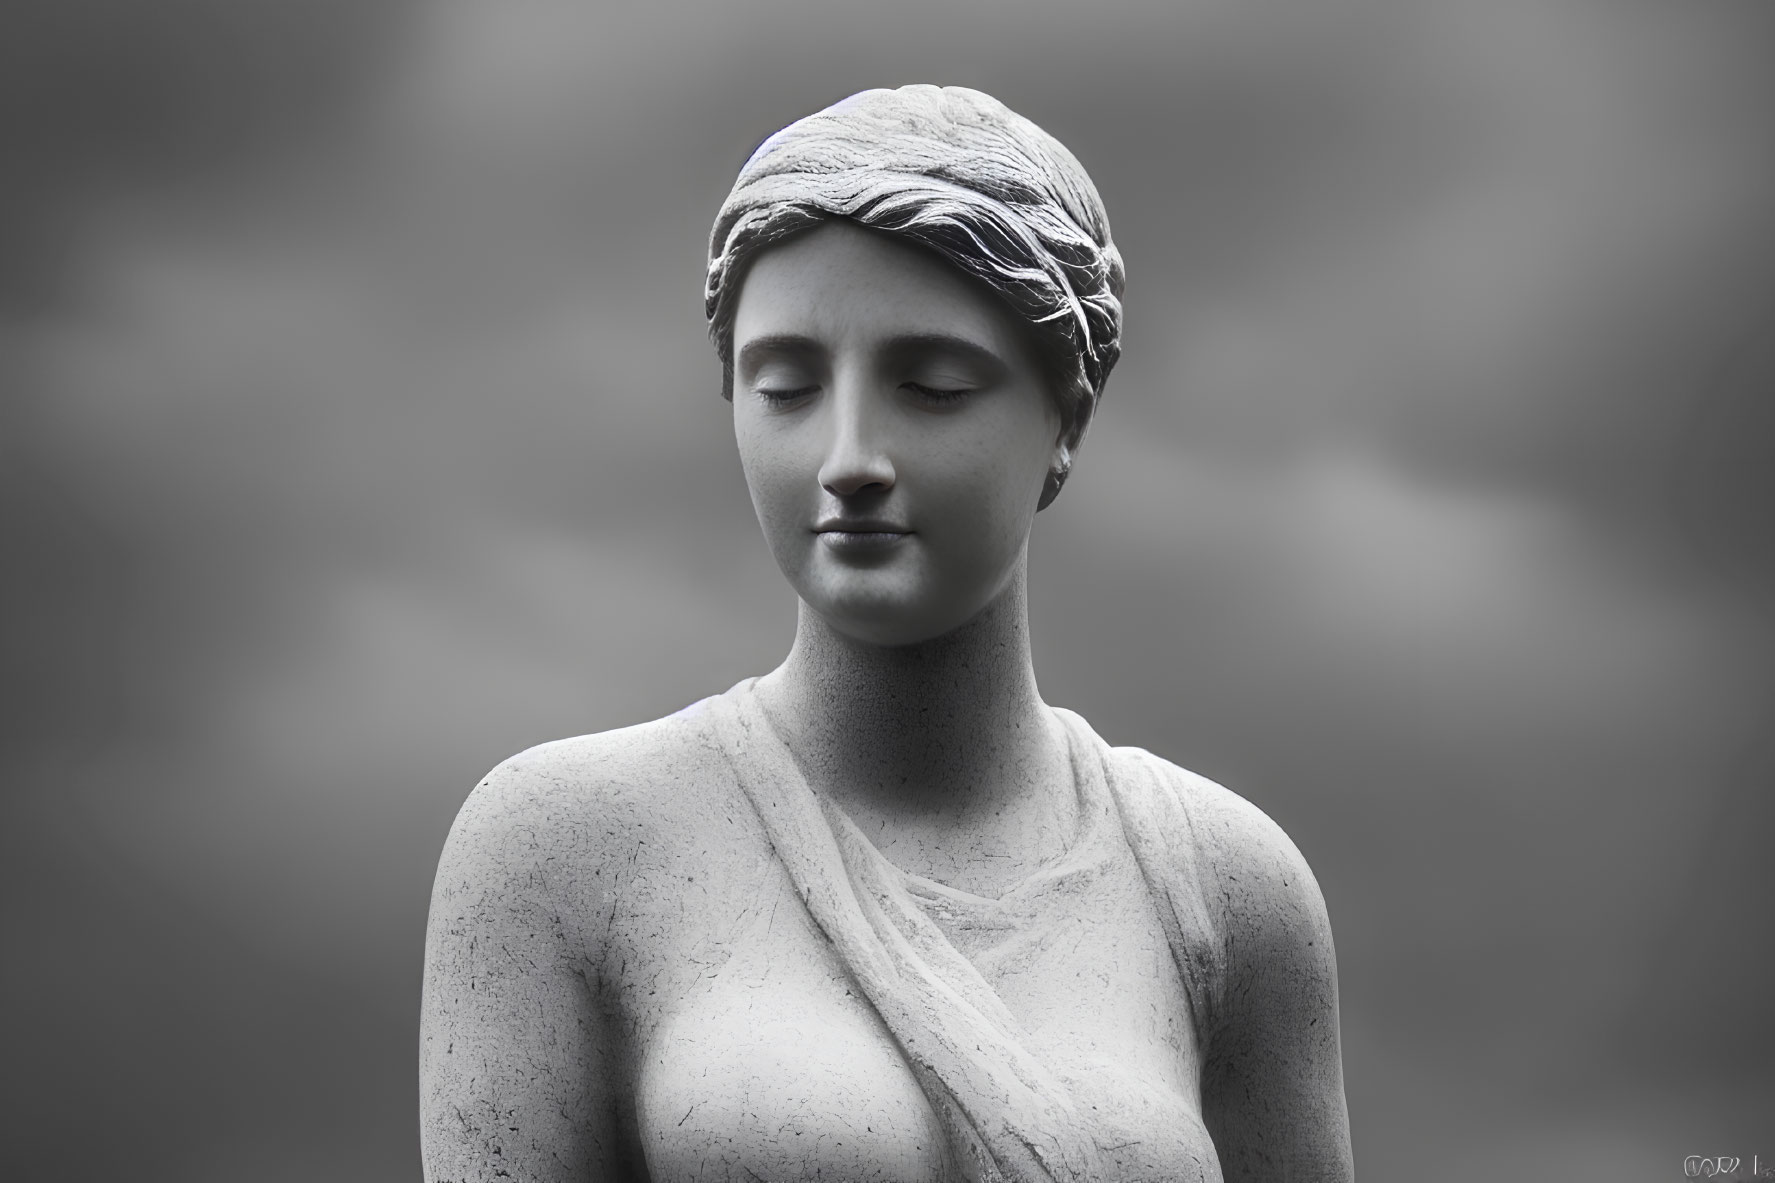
(894, 428)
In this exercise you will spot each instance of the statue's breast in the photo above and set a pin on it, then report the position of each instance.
(770, 1066)
(773, 1071)
(758, 1056)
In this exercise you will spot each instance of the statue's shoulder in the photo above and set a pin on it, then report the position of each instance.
(1235, 851)
(585, 800)
(611, 768)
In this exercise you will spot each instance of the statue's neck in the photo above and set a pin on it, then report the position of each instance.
(952, 727)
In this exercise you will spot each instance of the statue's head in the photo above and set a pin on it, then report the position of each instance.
(959, 173)
(916, 280)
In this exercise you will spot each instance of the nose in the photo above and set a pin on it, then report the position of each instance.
(856, 457)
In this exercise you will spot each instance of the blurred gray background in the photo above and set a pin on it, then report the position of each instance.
(359, 430)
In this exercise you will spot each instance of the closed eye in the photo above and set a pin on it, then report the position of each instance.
(936, 395)
(782, 396)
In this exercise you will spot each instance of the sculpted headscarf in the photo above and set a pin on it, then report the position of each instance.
(959, 172)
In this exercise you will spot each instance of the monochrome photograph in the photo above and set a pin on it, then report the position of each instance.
(934, 593)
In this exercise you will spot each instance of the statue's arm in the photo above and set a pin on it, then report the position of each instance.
(515, 1067)
(1273, 1090)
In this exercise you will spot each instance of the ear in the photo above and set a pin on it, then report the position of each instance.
(1066, 446)
(1059, 467)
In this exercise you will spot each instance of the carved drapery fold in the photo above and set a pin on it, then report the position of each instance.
(1008, 1116)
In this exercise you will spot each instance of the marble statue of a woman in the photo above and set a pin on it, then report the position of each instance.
(882, 913)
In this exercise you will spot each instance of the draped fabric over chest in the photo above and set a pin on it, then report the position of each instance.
(1008, 1116)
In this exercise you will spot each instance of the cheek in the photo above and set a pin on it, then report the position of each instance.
(764, 461)
(988, 498)
(775, 481)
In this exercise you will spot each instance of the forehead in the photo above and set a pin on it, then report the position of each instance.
(841, 284)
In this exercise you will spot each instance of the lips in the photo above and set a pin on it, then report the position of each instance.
(860, 534)
(860, 526)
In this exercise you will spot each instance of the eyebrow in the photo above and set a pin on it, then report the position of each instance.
(909, 344)
(756, 350)
(777, 344)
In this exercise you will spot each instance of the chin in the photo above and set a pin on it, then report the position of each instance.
(898, 605)
(893, 633)
(884, 619)
(878, 624)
